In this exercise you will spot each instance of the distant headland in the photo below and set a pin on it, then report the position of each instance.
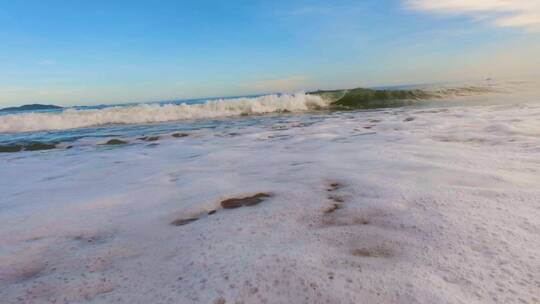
(31, 107)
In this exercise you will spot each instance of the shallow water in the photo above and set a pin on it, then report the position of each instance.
(435, 204)
(97, 123)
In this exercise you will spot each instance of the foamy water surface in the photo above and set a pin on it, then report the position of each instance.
(430, 204)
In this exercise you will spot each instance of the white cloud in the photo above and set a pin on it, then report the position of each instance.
(523, 14)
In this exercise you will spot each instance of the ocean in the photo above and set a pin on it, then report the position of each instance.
(131, 120)
(433, 202)
(67, 127)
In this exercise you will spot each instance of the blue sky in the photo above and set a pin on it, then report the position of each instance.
(87, 52)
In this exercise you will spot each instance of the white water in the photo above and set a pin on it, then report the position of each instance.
(446, 199)
(148, 113)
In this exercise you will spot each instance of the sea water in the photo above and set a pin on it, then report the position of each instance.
(433, 203)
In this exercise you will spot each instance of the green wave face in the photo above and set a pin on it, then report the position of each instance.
(361, 98)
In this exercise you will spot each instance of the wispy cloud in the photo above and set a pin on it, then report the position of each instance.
(523, 14)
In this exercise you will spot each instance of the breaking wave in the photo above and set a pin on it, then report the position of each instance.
(154, 113)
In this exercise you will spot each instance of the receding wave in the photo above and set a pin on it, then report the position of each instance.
(154, 113)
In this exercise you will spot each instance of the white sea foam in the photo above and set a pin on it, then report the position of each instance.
(154, 113)
(440, 205)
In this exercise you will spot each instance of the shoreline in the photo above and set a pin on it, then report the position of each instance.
(408, 206)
